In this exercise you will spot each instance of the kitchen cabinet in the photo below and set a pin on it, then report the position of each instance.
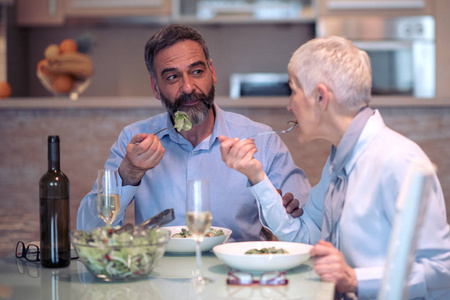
(118, 8)
(244, 11)
(57, 12)
(375, 7)
(40, 12)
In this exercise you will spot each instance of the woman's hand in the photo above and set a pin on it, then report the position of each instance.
(330, 265)
(238, 155)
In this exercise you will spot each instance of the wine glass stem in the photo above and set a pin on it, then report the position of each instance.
(198, 256)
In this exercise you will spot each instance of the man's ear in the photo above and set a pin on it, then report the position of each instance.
(213, 71)
(323, 96)
(155, 88)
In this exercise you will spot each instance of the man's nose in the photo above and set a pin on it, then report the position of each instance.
(187, 85)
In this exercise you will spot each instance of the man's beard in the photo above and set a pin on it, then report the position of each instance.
(198, 113)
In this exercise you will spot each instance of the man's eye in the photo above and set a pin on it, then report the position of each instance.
(171, 77)
(197, 72)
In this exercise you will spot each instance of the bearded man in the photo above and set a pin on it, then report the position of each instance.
(154, 168)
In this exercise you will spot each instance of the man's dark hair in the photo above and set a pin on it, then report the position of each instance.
(169, 36)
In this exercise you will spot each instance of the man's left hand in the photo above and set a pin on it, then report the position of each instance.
(292, 205)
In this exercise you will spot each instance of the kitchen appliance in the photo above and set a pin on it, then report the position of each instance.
(259, 84)
(401, 50)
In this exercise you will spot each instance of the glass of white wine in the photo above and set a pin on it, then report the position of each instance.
(198, 220)
(108, 201)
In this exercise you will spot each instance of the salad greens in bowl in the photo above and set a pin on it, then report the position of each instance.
(115, 256)
(182, 242)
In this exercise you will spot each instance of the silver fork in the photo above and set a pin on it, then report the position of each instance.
(158, 132)
(163, 129)
(268, 132)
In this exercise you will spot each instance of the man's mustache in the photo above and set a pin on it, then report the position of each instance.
(188, 97)
(179, 102)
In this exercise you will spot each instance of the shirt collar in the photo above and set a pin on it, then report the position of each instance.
(373, 126)
(220, 128)
(166, 124)
(220, 125)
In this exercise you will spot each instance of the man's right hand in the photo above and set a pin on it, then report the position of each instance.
(144, 152)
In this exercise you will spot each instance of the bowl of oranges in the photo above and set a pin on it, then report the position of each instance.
(65, 71)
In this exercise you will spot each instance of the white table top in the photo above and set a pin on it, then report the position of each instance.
(20, 279)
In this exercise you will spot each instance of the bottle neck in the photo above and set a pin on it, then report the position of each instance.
(53, 155)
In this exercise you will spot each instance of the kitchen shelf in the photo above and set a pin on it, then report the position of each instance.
(128, 102)
(241, 12)
(222, 101)
(244, 20)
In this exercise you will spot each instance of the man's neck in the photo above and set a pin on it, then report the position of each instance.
(200, 132)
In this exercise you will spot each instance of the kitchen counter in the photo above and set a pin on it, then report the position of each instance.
(129, 102)
(222, 101)
(170, 279)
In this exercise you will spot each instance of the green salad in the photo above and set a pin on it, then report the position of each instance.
(270, 250)
(119, 256)
(182, 121)
(184, 233)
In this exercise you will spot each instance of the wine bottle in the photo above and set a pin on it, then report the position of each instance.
(54, 211)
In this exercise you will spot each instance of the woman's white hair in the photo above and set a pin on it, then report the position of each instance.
(337, 63)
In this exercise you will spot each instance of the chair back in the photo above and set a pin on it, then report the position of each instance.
(410, 208)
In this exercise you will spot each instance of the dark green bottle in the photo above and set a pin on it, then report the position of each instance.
(54, 211)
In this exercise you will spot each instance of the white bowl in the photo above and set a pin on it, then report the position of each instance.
(187, 245)
(233, 254)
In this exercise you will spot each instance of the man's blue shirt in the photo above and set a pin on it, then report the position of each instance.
(232, 204)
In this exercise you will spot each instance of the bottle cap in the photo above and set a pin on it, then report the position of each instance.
(53, 138)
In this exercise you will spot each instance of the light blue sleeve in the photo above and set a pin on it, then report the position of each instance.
(87, 217)
(272, 214)
(281, 170)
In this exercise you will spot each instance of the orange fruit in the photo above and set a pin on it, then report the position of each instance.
(41, 67)
(68, 45)
(62, 83)
(5, 89)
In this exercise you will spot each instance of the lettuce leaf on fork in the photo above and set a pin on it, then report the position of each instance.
(182, 121)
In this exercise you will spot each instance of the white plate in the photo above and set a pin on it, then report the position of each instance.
(233, 255)
(187, 245)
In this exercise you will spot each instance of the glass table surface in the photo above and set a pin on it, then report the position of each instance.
(21, 279)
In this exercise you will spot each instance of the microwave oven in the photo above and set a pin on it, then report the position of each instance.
(401, 50)
(259, 84)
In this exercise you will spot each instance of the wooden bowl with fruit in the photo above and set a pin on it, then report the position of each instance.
(65, 71)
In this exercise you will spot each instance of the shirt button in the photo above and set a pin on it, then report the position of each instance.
(193, 152)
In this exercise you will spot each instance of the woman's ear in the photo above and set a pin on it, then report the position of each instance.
(323, 96)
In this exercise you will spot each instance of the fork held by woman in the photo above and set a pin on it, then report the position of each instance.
(268, 132)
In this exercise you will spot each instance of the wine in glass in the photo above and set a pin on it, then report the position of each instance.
(108, 201)
(198, 220)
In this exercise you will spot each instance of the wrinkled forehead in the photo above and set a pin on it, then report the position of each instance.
(181, 55)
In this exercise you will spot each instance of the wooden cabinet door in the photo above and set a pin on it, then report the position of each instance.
(375, 7)
(118, 8)
(40, 12)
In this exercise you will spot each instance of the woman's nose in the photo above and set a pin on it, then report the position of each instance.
(289, 108)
